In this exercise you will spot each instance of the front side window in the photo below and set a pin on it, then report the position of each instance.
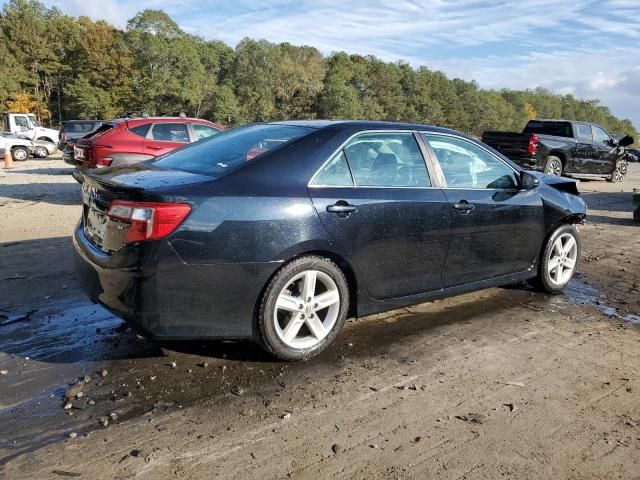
(22, 122)
(465, 165)
(229, 150)
(584, 132)
(203, 131)
(600, 136)
(170, 132)
(386, 159)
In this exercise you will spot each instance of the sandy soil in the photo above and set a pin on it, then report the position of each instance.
(500, 383)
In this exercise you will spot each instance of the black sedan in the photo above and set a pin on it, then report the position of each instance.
(278, 232)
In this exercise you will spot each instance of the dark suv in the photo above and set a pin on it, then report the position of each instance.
(132, 140)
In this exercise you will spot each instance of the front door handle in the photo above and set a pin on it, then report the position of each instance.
(154, 147)
(464, 206)
(341, 208)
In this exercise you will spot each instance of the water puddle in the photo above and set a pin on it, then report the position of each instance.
(582, 293)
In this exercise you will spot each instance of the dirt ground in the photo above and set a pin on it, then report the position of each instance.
(500, 383)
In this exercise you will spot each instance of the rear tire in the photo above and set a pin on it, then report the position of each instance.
(553, 166)
(303, 308)
(559, 260)
(19, 154)
(636, 214)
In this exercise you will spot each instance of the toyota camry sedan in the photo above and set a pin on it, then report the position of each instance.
(278, 232)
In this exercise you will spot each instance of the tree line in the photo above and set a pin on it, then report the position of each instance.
(61, 67)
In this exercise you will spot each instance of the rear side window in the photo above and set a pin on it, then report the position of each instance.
(335, 173)
(387, 159)
(203, 131)
(227, 151)
(141, 130)
(558, 129)
(170, 132)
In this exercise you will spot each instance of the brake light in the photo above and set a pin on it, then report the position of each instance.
(533, 144)
(148, 220)
(104, 162)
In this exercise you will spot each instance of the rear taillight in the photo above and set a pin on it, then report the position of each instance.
(148, 220)
(104, 162)
(533, 144)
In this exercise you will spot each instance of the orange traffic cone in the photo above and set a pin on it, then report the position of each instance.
(8, 159)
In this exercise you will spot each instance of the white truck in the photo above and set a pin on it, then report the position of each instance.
(25, 124)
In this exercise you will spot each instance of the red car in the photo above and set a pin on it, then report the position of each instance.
(131, 140)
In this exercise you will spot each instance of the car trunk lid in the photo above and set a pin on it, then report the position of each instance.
(139, 186)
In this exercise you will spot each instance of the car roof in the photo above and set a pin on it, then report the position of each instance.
(368, 125)
(160, 119)
(81, 121)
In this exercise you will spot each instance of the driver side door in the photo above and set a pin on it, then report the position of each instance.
(24, 127)
(496, 227)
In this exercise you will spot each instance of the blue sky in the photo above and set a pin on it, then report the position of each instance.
(590, 48)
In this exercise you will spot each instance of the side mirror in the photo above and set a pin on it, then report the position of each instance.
(625, 141)
(528, 181)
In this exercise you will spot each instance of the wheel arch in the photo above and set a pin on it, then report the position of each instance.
(343, 264)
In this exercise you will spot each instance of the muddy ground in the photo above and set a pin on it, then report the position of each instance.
(501, 383)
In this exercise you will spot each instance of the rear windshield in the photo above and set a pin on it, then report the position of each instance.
(227, 151)
(79, 127)
(105, 127)
(558, 129)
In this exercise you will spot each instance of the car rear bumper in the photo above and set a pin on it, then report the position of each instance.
(167, 299)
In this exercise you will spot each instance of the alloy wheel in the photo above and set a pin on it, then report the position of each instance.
(620, 172)
(307, 309)
(554, 168)
(20, 154)
(562, 259)
(40, 152)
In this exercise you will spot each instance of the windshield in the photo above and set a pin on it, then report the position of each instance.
(34, 122)
(227, 151)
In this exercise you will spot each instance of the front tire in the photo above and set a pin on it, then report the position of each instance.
(40, 152)
(553, 166)
(559, 259)
(619, 173)
(19, 154)
(303, 308)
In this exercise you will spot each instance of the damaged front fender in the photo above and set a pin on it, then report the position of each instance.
(561, 200)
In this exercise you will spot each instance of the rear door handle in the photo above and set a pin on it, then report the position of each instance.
(341, 208)
(154, 147)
